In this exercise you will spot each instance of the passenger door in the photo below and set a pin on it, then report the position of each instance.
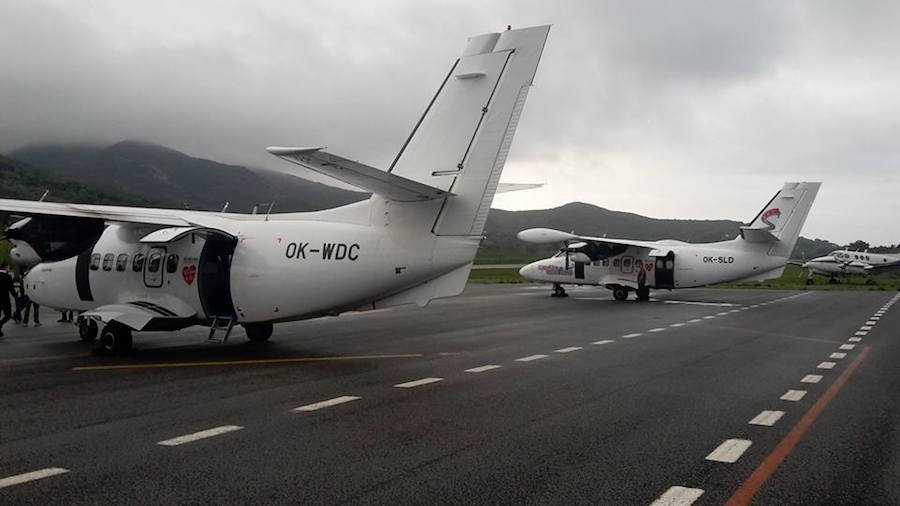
(153, 268)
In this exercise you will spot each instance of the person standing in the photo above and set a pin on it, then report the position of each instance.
(6, 290)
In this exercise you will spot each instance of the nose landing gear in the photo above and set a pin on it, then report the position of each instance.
(558, 291)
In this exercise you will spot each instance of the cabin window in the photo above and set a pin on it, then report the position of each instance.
(616, 262)
(95, 261)
(153, 263)
(108, 260)
(172, 264)
(137, 265)
(605, 262)
(122, 262)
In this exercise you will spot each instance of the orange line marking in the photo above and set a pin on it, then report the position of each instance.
(748, 490)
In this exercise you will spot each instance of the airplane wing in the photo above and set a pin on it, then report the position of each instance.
(549, 236)
(884, 267)
(146, 315)
(360, 175)
(149, 216)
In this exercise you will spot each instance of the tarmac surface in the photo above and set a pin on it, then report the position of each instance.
(503, 395)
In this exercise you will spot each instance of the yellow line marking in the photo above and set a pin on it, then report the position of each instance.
(220, 363)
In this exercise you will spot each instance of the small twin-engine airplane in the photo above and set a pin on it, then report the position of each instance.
(135, 269)
(841, 263)
(760, 252)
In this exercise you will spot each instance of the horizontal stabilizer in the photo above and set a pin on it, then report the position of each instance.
(758, 234)
(517, 187)
(360, 175)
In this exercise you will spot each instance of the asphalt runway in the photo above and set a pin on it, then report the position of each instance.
(503, 395)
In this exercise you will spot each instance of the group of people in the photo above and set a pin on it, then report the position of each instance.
(15, 304)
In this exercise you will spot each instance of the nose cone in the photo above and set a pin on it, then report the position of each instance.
(528, 271)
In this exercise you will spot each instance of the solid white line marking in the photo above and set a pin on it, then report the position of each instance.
(811, 378)
(695, 320)
(826, 365)
(793, 395)
(729, 451)
(855, 339)
(569, 349)
(418, 383)
(677, 325)
(203, 434)
(324, 404)
(33, 475)
(657, 329)
(483, 368)
(605, 341)
(837, 355)
(678, 496)
(862, 333)
(529, 358)
(767, 418)
(848, 346)
(629, 336)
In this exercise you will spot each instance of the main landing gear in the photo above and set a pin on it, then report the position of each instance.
(558, 291)
(115, 339)
(258, 332)
(620, 293)
(88, 329)
(643, 293)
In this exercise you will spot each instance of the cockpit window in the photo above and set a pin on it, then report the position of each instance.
(108, 260)
(122, 262)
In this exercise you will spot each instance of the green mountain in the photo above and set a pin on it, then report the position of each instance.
(174, 179)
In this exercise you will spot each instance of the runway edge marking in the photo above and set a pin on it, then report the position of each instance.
(744, 495)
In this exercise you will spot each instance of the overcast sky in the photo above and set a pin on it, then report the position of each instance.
(667, 109)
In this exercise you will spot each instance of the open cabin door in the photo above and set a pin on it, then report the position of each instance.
(214, 277)
(665, 271)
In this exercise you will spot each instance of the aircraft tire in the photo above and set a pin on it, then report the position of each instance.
(643, 293)
(88, 330)
(115, 339)
(809, 281)
(620, 293)
(258, 332)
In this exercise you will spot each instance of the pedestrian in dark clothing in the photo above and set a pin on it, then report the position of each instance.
(28, 304)
(6, 290)
(19, 285)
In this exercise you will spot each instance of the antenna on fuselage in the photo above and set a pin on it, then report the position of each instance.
(271, 205)
(46, 192)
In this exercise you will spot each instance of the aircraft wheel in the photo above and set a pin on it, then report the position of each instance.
(620, 293)
(809, 281)
(88, 330)
(870, 281)
(832, 281)
(258, 332)
(115, 339)
(558, 291)
(643, 293)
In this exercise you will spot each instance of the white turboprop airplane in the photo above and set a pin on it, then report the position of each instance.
(841, 263)
(414, 240)
(760, 252)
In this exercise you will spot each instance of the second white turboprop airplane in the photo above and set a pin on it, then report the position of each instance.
(760, 252)
(842, 263)
(414, 240)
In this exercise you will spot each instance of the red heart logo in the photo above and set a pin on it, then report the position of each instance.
(189, 273)
(649, 266)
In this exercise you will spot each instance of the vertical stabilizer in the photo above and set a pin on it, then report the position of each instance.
(461, 142)
(783, 217)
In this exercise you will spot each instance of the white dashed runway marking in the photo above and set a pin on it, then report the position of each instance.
(657, 329)
(848, 346)
(418, 383)
(203, 434)
(325, 404)
(793, 395)
(629, 336)
(531, 358)
(604, 341)
(837, 355)
(676, 325)
(678, 496)
(811, 378)
(32, 476)
(854, 339)
(767, 418)
(729, 451)
(570, 349)
(484, 368)
(826, 365)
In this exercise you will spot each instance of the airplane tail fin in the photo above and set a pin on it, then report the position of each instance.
(782, 218)
(460, 143)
